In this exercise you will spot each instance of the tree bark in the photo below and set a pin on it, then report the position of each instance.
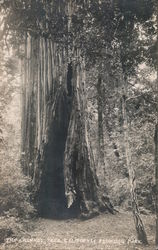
(81, 183)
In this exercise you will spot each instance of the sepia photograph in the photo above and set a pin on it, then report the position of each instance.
(78, 125)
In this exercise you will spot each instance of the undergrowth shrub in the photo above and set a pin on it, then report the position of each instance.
(14, 193)
(15, 205)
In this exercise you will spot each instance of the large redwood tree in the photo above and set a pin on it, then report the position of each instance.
(56, 147)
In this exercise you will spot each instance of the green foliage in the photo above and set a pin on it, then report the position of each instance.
(141, 9)
(9, 226)
(14, 192)
(96, 27)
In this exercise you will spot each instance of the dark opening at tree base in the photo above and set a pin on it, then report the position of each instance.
(55, 209)
(52, 200)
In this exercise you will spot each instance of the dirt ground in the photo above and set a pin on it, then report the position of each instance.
(115, 232)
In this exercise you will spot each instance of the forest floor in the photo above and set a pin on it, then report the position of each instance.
(114, 232)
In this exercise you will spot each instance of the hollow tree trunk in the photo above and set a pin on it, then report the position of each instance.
(141, 234)
(58, 155)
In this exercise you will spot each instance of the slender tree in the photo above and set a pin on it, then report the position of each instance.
(132, 180)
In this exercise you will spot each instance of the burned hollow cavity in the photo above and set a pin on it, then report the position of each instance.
(52, 199)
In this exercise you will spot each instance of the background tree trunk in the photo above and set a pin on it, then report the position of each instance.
(101, 149)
